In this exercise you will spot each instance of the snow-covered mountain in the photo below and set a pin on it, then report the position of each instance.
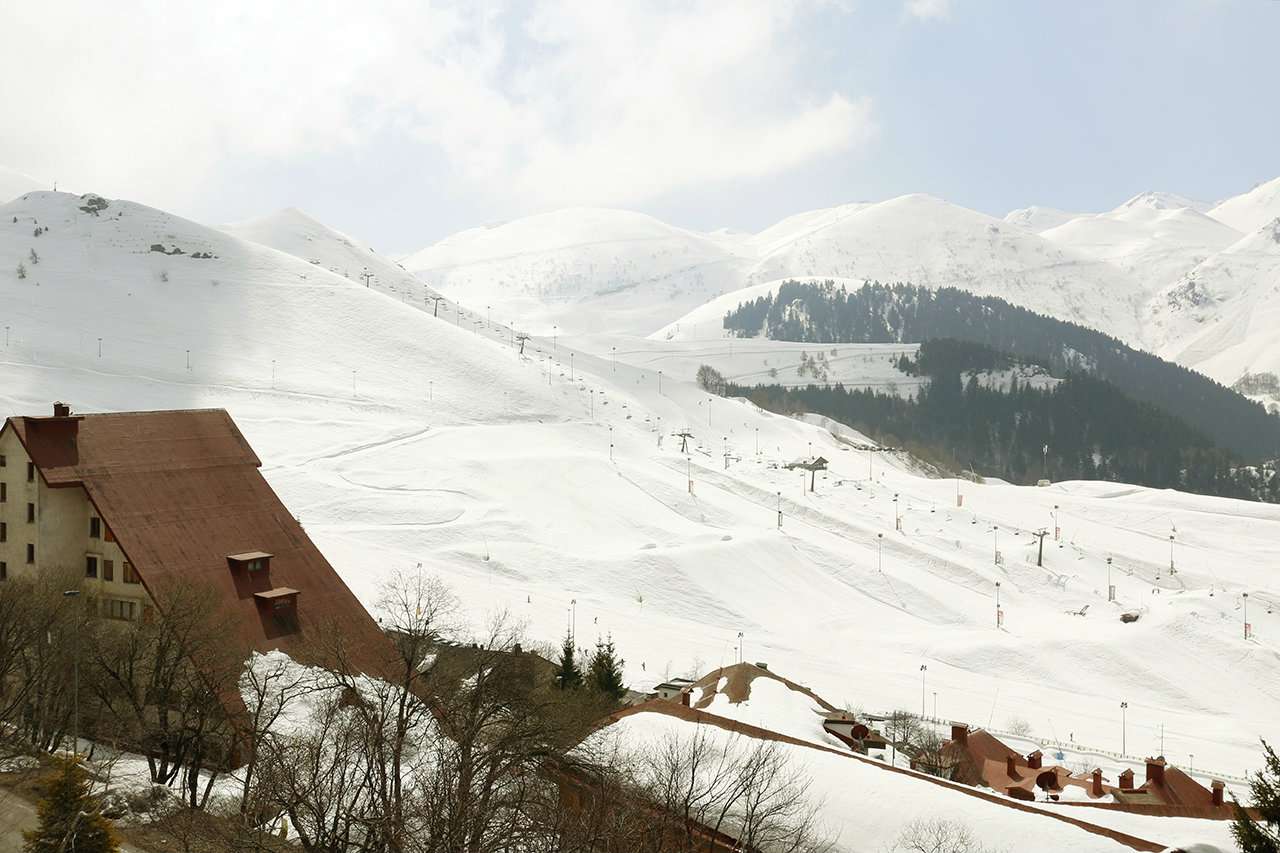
(1250, 211)
(582, 270)
(300, 235)
(1037, 218)
(1221, 317)
(528, 482)
(1147, 237)
(635, 274)
(14, 184)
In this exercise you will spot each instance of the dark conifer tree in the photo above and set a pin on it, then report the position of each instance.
(69, 816)
(568, 676)
(606, 670)
(1261, 836)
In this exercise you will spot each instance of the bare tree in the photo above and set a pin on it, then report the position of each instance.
(901, 729)
(937, 835)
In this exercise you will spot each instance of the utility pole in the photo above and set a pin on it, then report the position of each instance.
(436, 311)
(659, 382)
(924, 670)
(897, 519)
(739, 647)
(999, 612)
(1172, 570)
(367, 276)
(1111, 589)
(1040, 534)
(880, 553)
(779, 510)
(1124, 707)
(1246, 615)
(995, 538)
(613, 355)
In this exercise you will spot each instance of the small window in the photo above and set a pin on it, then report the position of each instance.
(256, 565)
(4, 571)
(107, 534)
(31, 472)
(31, 513)
(127, 574)
(4, 492)
(95, 527)
(115, 608)
(108, 570)
(4, 532)
(3, 461)
(31, 554)
(91, 567)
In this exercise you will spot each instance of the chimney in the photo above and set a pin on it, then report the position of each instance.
(1096, 788)
(1218, 787)
(1126, 780)
(61, 410)
(1155, 771)
(1035, 759)
(959, 732)
(1010, 767)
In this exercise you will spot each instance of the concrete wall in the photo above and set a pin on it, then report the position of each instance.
(61, 535)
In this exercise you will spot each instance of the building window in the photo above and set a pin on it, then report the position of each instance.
(115, 608)
(256, 565)
(4, 532)
(31, 554)
(4, 571)
(3, 461)
(127, 574)
(108, 535)
(31, 472)
(31, 513)
(95, 527)
(91, 567)
(108, 570)
(4, 492)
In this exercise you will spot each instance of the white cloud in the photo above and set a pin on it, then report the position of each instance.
(928, 10)
(575, 102)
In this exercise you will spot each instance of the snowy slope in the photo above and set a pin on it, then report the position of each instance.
(14, 184)
(1221, 317)
(633, 272)
(1037, 218)
(530, 482)
(866, 806)
(1146, 238)
(925, 240)
(1250, 211)
(295, 233)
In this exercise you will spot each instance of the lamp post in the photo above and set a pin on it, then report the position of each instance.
(75, 681)
(1057, 531)
(897, 520)
(1172, 570)
(555, 332)
(659, 382)
(1124, 707)
(880, 552)
(935, 704)
(613, 352)
(573, 619)
(1246, 615)
(924, 670)
(997, 604)
(995, 542)
(1111, 590)
(739, 647)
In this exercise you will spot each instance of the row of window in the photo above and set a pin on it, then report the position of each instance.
(31, 468)
(92, 564)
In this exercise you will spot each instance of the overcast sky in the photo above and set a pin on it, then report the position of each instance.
(401, 122)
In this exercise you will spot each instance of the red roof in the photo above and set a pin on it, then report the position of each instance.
(182, 492)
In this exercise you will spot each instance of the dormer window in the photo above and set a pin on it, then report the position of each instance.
(252, 562)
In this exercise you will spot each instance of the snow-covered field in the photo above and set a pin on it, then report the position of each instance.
(534, 482)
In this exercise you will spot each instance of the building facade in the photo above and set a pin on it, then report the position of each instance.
(137, 507)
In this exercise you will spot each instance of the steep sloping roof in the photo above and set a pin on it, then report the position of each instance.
(181, 491)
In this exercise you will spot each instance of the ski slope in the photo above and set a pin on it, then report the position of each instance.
(533, 482)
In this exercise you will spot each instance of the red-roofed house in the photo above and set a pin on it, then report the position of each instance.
(140, 503)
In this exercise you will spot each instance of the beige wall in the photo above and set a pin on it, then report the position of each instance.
(61, 532)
